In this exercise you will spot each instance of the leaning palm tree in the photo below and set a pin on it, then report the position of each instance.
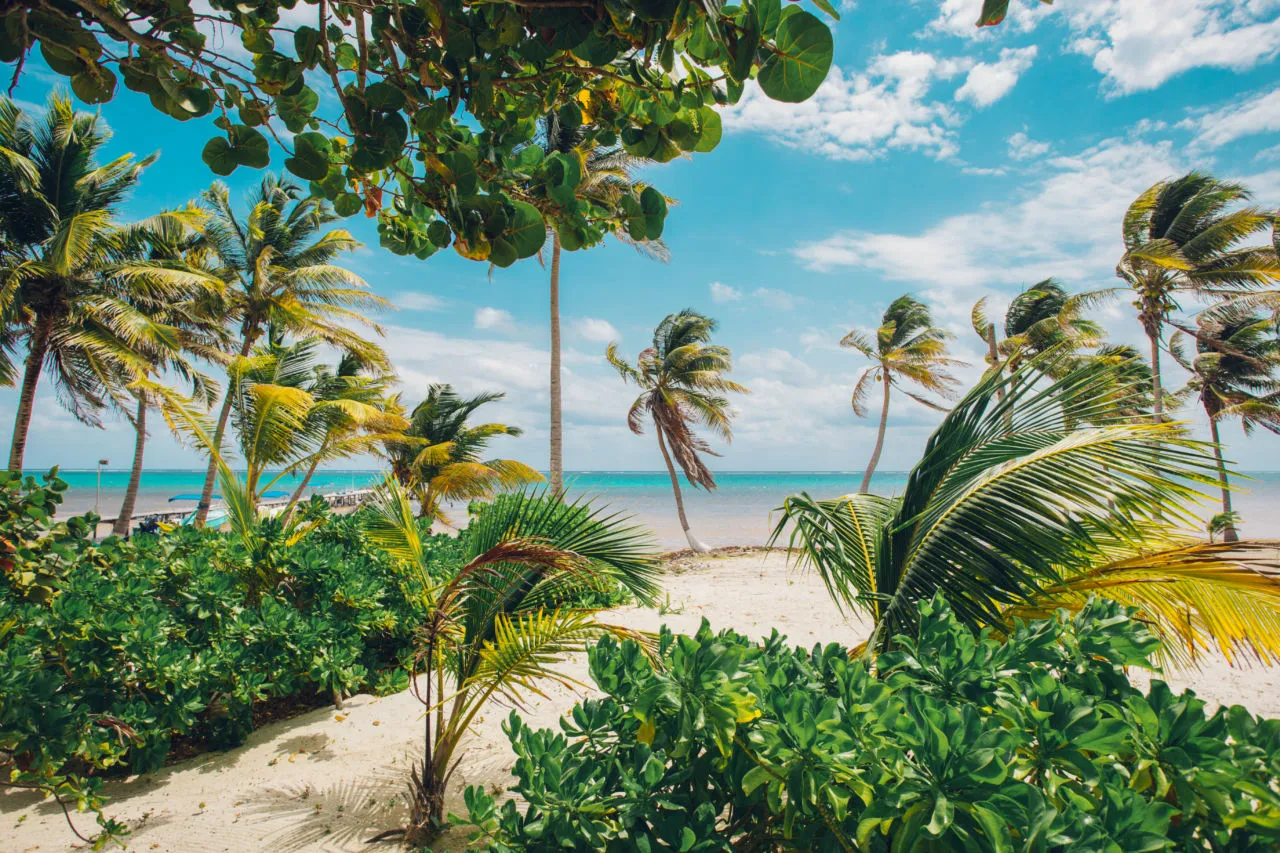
(439, 458)
(67, 273)
(507, 617)
(908, 347)
(279, 265)
(1233, 373)
(682, 382)
(1015, 510)
(1183, 236)
(608, 176)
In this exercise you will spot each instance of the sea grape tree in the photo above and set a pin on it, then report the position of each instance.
(421, 113)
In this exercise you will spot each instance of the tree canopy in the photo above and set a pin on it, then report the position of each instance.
(419, 113)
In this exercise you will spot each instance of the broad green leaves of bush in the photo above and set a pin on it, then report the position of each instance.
(425, 108)
(1034, 742)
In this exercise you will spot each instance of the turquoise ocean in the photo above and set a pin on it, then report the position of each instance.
(737, 513)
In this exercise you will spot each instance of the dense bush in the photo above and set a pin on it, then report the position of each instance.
(1032, 742)
(109, 652)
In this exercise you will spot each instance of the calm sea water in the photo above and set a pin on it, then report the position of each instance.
(737, 513)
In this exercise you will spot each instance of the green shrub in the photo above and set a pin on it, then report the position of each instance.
(109, 652)
(1034, 742)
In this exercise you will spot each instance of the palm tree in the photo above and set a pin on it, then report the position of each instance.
(682, 380)
(507, 617)
(439, 457)
(1233, 374)
(607, 177)
(198, 332)
(1182, 236)
(1042, 317)
(67, 275)
(280, 272)
(352, 412)
(907, 346)
(1012, 517)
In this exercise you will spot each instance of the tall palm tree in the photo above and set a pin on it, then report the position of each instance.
(1015, 517)
(66, 268)
(198, 332)
(352, 412)
(608, 175)
(279, 265)
(439, 458)
(1233, 373)
(682, 382)
(1183, 236)
(908, 347)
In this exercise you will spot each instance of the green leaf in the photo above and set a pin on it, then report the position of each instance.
(384, 96)
(563, 173)
(219, 157)
(249, 146)
(528, 231)
(712, 130)
(296, 110)
(826, 6)
(96, 85)
(306, 43)
(257, 40)
(803, 58)
(347, 204)
(993, 12)
(654, 206)
(310, 160)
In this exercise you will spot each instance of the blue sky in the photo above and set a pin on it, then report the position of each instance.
(937, 159)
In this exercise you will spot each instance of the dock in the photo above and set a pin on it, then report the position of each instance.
(350, 499)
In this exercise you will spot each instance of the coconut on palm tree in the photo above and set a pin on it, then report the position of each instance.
(608, 175)
(67, 269)
(439, 458)
(280, 270)
(907, 348)
(1185, 236)
(682, 383)
(1233, 374)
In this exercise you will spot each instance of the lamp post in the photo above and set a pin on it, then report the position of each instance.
(98, 496)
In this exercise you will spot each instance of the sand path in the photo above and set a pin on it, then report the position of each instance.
(328, 780)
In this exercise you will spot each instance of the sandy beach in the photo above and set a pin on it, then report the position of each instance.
(328, 780)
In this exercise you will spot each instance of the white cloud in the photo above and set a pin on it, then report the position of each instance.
(960, 18)
(1257, 114)
(1023, 147)
(1139, 44)
(988, 82)
(856, 116)
(1272, 153)
(777, 299)
(1016, 242)
(412, 300)
(593, 329)
(984, 171)
(494, 318)
(721, 293)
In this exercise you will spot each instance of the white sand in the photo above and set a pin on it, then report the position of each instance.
(328, 780)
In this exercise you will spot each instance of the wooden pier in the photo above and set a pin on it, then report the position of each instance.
(337, 500)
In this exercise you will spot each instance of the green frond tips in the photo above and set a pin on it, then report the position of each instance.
(1014, 498)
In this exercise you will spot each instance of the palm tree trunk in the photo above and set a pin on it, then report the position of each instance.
(26, 400)
(1229, 533)
(993, 355)
(694, 543)
(1157, 391)
(875, 454)
(557, 435)
(125, 518)
(297, 493)
(206, 493)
